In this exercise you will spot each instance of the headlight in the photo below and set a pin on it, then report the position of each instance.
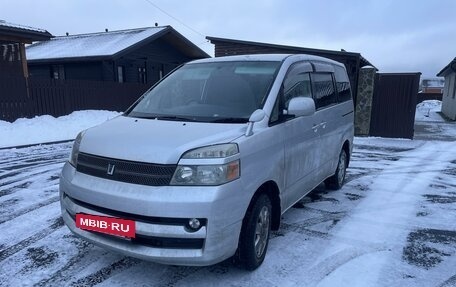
(208, 174)
(75, 151)
(214, 151)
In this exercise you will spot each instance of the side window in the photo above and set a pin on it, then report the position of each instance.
(296, 84)
(323, 87)
(342, 84)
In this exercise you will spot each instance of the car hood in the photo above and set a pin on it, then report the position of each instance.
(154, 141)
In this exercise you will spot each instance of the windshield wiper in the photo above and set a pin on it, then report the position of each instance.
(230, 120)
(175, 118)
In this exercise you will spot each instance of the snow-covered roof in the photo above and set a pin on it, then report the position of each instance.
(23, 27)
(22, 33)
(433, 82)
(90, 45)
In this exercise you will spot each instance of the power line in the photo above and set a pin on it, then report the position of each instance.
(163, 11)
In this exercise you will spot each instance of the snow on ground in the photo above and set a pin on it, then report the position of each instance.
(429, 124)
(46, 128)
(429, 111)
(392, 224)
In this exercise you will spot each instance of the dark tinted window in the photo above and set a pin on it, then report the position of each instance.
(296, 84)
(342, 84)
(323, 90)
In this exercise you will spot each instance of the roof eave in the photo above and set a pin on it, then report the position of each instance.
(280, 46)
(156, 36)
(25, 34)
(140, 43)
(195, 48)
(443, 72)
(70, 59)
(304, 49)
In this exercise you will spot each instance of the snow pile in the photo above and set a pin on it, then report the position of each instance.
(46, 128)
(427, 111)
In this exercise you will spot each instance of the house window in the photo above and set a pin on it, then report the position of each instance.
(57, 72)
(120, 74)
(160, 72)
(454, 86)
(142, 75)
(448, 87)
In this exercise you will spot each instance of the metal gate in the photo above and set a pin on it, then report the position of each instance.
(394, 105)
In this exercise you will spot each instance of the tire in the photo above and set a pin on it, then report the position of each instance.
(336, 181)
(256, 228)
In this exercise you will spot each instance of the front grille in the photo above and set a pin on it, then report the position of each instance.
(126, 171)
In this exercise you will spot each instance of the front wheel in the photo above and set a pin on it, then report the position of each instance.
(254, 238)
(337, 180)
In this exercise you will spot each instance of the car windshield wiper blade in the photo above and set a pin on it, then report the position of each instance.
(175, 118)
(230, 120)
(142, 117)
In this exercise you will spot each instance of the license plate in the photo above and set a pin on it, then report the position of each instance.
(105, 224)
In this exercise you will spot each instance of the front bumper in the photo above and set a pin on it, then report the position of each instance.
(160, 214)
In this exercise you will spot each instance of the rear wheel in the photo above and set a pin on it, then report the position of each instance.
(337, 180)
(254, 238)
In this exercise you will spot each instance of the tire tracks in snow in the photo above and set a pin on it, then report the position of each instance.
(19, 158)
(106, 272)
(28, 209)
(24, 182)
(9, 251)
(63, 274)
(450, 282)
(31, 164)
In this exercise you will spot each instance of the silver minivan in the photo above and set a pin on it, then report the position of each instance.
(203, 165)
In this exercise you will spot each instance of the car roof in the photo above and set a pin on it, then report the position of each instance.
(267, 57)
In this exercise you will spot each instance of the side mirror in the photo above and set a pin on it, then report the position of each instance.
(301, 106)
(256, 116)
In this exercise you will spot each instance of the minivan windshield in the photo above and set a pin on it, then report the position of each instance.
(209, 92)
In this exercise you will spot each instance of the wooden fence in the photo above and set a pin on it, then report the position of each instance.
(36, 96)
(394, 105)
(428, 96)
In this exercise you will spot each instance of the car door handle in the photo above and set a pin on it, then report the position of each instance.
(323, 124)
(315, 128)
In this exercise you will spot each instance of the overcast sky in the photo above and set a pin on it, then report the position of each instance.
(395, 36)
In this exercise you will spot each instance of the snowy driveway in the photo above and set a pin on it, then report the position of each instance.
(393, 224)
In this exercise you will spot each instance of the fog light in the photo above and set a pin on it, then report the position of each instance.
(194, 223)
